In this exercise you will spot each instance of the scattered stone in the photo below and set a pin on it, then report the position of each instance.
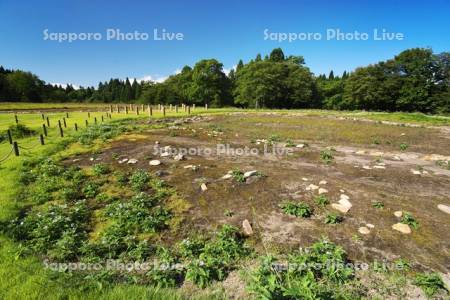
(343, 196)
(312, 187)
(123, 161)
(416, 172)
(305, 179)
(300, 146)
(340, 207)
(322, 182)
(342, 191)
(132, 161)
(165, 154)
(250, 173)
(396, 157)
(343, 204)
(363, 230)
(91, 159)
(379, 167)
(248, 230)
(322, 191)
(203, 187)
(154, 162)
(157, 143)
(444, 208)
(367, 167)
(398, 213)
(360, 152)
(376, 153)
(371, 226)
(178, 157)
(403, 228)
(227, 176)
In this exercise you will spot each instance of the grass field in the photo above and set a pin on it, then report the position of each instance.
(23, 276)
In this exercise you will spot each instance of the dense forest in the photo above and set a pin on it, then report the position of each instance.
(415, 80)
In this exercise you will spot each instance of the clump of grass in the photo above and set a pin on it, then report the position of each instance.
(430, 283)
(274, 138)
(238, 175)
(408, 219)
(321, 200)
(297, 278)
(403, 146)
(327, 156)
(19, 131)
(299, 209)
(139, 180)
(378, 205)
(100, 169)
(290, 143)
(333, 218)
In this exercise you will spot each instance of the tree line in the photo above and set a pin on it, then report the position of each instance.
(415, 80)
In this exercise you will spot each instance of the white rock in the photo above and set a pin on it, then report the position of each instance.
(227, 176)
(167, 148)
(305, 179)
(343, 196)
(300, 146)
(360, 152)
(91, 159)
(403, 228)
(444, 208)
(342, 191)
(123, 161)
(415, 172)
(157, 143)
(132, 161)
(371, 226)
(250, 173)
(312, 187)
(396, 157)
(322, 182)
(367, 167)
(165, 154)
(179, 157)
(379, 167)
(154, 162)
(345, 203)
(248, 230)
(322, 191)
(189, 166)
(203, 187)
(339, 207)
(363, 230)
(398, 213)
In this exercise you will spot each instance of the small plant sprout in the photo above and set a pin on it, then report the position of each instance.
(403, 146)
(238, 175)
(228, 213)
(409, 220)
(327, 156)
(333, 218)
(321, 200)
(299, 209)
(290, 143)
(430, 283)
(378, 204)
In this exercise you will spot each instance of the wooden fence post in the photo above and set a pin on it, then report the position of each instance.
(16, 148)
(64, 122)
(41, 139)
(48, 122)
(67, 115)
(164, 110)
(87, 123)
(17, 120)
(10, 136)
(76, 127)
(44, 129)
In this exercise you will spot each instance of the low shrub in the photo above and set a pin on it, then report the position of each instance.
(299, 209)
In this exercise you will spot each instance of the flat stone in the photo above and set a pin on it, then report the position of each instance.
(343, 196)
(154, 162)
(368, 225)
(322, 182)
(415, 172)
(305, 179)
(444, 208)
(132, 161)
(379, 167)
(227, 176)
(248, 230)
(156, 142)
(322, 191)
(345, 203)
(312, 187)
(250, 173)
(403, 228)
(189, 166)
(123, 161)
(360, 152)
(398, 213)
(363, 230)
(367, 167)
(165, 154)
(339, 207)
(300, 146)
(203, 187)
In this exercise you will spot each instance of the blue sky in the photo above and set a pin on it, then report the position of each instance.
(226, 30)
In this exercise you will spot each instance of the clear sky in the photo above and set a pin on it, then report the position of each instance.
(226, 30)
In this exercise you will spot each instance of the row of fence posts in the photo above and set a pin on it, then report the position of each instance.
(126, 108)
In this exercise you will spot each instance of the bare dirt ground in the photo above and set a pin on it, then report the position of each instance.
(368, 166)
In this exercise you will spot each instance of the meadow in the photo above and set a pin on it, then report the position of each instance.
(103, 192)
